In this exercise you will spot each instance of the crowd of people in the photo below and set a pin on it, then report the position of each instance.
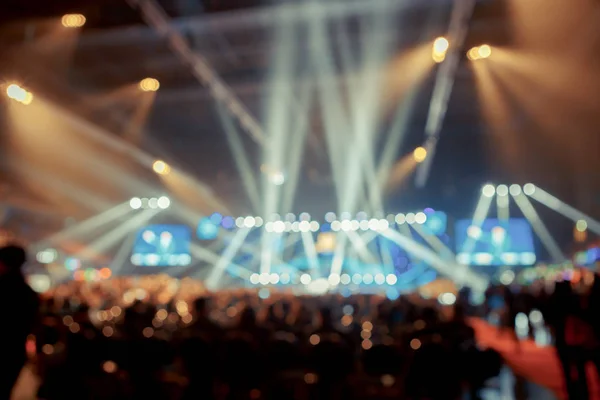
(153, 338)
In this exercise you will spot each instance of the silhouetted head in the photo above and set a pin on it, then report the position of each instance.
(247, 317)
(201, 306)
(12, 258)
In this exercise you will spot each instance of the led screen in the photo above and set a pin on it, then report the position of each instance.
(162, 245)
(496, 242)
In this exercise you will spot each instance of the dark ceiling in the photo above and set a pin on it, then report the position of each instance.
(116, 48)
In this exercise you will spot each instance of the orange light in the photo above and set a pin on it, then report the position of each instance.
(105, 273)
(78, 275)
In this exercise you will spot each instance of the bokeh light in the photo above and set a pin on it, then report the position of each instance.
(149, 85)
(161, 167)
(73, 20)
(420, 154)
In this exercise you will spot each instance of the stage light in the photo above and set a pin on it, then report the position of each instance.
(502, 190)
(277, 178)
(314, 226)
(473, 54)
(346, 225)
(153, 203)
(258, 221)
(391, 279)
(529, 189)
(254, 279)
(249, 222)
(488, 190)
(290, 217)
(357, 279)
(47, 256)
(305, 279)
(334, 279)
(484, 51)
(373, 224)
(400, 219)
(361, 216)
(268, 225)
(149, 85)
(345, 215)
(278, 226)
(161, 167)
(440, 47)
(285, 279)
(304, 217)
(355, 225)
(410, 218)
(336, 226)
(274, 279)
(420, 218)
(239, 222)
(296, 226)
(330, 217)
(135, 203)
(17, 93)
(367, 279)
(515, 190)
(420, 154)
(164, 202)
(581, 225)
(264, 278)
(345, 279)
(304, 226)
(383, 225)
(379, 279)
(363, 225)
(73, 20)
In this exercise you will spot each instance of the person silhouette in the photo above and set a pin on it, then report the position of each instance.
(19, 314)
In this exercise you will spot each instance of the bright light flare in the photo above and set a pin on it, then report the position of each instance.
(479, 52)
(420, 154)
(17, 93)
(149, 85)
(488, 190)
(135, 203)
(161, 167)
(440, 47)
(73, 20)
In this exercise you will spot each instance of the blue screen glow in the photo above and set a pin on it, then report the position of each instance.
(496, 242)
(162, 245)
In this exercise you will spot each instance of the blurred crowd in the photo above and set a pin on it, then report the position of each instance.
(161, 338)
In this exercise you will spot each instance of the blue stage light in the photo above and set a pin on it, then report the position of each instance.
(216, 218)
(228, 222)
(207, 229)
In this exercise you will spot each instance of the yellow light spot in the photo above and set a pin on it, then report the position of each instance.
(420, 154)
(149, 85)
(73, 20)
(581, 225)
(441, 45)
(161, 167)
(367, 326)
(473, 54)
(107, 331)
(74, 328)
(365, 334)
(367, 344)
(484, 51)
(67, 320)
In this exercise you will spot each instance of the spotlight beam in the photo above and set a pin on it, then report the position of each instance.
(110, 239)
(156, 17)
(481, 212)
(213, 279)
(539, 227)
(460, 273)
(444, 81)
(563, 208)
